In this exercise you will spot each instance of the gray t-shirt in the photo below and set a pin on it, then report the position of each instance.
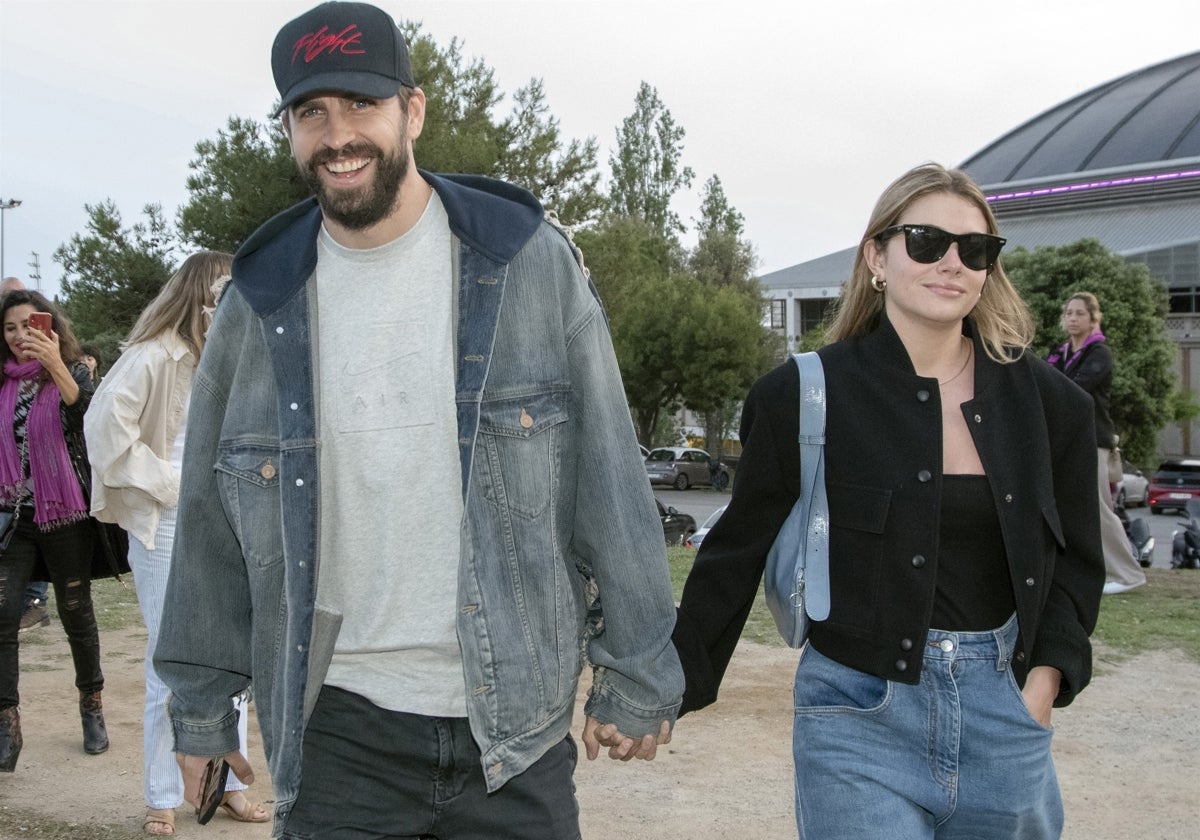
(391, 503)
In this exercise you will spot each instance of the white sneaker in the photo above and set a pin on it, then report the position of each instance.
(1113, 587)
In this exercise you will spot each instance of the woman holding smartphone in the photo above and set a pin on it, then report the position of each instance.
(44, 393)
(135, 432)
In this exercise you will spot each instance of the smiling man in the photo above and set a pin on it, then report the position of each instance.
(390, 488)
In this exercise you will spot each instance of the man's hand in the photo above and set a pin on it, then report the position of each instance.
(192, 767)
(622, 747)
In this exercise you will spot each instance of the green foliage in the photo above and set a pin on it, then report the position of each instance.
(1143, 392)
(111, 272)
(238, 181)
(646, 171)
(1163, 615)
(722, 257)
(532, 155)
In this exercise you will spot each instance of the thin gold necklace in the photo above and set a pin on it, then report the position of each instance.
(966, 361)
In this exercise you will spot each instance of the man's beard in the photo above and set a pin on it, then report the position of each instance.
(358, 209)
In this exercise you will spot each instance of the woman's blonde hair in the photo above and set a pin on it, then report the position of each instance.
(1003, 321)
(185, 304)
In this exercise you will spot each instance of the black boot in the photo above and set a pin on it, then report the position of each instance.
(91, 712)
(10, 738)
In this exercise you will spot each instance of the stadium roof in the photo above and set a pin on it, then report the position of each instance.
(1151, 115)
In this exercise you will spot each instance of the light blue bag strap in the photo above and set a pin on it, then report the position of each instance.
(812, 484)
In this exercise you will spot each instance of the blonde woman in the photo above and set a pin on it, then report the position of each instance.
(1087, 361)
(964, 563)
(135, 432)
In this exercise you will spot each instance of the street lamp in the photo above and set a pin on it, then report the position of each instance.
(5, 205)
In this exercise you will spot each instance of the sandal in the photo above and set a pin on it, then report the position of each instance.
(248, 812)
(159, 821)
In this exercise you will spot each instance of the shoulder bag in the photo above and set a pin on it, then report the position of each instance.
(797, 574)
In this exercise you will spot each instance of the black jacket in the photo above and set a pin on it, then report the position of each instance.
(1093, 373)
(1033, 431)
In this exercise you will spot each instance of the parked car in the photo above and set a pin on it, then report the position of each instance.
(682, 467)
(698, 537)
(1173, 484)
(1134, 488)
(677, 527)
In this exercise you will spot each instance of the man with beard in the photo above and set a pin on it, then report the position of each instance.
(404, 391)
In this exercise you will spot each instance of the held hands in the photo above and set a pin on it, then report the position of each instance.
(192, 767)
(622, 747)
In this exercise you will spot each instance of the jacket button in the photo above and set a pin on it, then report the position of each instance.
(918, 561)
(1029, 581)
(922, 396)
(978, 419)
(1020, 657)
(1008, 498)
(906, 644)
(901, 665)
(924, 476)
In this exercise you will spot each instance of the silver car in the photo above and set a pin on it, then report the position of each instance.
(682, 466)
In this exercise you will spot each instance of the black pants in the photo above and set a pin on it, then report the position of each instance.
(372, 774)
(67, 553)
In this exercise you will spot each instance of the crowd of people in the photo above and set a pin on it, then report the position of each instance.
(414, 659)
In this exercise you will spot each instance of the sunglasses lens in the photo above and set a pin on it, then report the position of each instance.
(926, 244)
(973, 251)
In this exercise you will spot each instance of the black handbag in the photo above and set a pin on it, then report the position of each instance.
(8, 526)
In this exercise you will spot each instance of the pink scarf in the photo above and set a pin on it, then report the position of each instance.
(57, 497)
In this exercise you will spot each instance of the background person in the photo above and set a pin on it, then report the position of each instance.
(43, 477)
(135, 430)
(1087, 361)
(435, 328)
(36, 612)
(964, 563)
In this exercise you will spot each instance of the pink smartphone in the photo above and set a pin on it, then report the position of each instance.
(40, 321)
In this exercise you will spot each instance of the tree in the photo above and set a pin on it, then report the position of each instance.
(646, 171)
(532, 155)
(111, 272)
(238, 181)
(1134, 307)
(721, 257)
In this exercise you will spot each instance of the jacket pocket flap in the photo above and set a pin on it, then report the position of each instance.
(256, 464)
(524, 416)
(858, 508)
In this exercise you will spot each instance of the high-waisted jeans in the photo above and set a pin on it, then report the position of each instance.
(67, 552)
(957, 756)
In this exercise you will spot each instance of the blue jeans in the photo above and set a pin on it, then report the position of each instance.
(957, 756)
(373, 774)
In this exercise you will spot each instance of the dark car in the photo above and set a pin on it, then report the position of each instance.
(677, 527)
(1174, 483)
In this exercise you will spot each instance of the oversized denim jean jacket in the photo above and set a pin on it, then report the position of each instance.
(562, 553)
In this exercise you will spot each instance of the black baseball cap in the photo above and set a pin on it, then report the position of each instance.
(346, 47)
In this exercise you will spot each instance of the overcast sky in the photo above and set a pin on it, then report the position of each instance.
(806, 110)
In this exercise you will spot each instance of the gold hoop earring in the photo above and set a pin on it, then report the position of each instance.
(878, 283)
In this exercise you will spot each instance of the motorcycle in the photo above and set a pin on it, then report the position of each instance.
(1185, 544)
(1138, 533)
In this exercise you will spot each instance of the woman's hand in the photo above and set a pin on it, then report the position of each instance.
(36, 345)
(1041, 688)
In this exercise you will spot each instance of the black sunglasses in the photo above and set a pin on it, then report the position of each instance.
(928, 244)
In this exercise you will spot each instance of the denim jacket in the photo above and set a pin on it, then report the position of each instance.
(562, 556)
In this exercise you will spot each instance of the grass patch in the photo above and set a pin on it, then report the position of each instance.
(1164, 614)
(116, 604)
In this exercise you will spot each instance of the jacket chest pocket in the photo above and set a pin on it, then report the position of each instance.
(248, 477)
(519, 451)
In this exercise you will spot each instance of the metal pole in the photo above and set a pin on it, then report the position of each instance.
(5, 205)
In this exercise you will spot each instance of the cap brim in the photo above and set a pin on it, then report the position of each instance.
(363, 84)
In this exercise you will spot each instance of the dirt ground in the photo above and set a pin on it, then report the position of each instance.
(1127, 751)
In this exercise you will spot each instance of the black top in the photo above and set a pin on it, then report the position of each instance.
(1093, 373)
(972, 591)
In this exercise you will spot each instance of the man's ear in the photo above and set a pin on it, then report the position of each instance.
(416, 113)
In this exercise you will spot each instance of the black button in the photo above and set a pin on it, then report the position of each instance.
(922, 396)
(901, 665)
(1020, 656)
(924, 476)
(918, 561)
(906, 644)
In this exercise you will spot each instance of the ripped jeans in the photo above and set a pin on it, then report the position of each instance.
(67, 553)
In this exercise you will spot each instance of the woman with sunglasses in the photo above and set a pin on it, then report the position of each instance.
(964, 564)
(1087, 361)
